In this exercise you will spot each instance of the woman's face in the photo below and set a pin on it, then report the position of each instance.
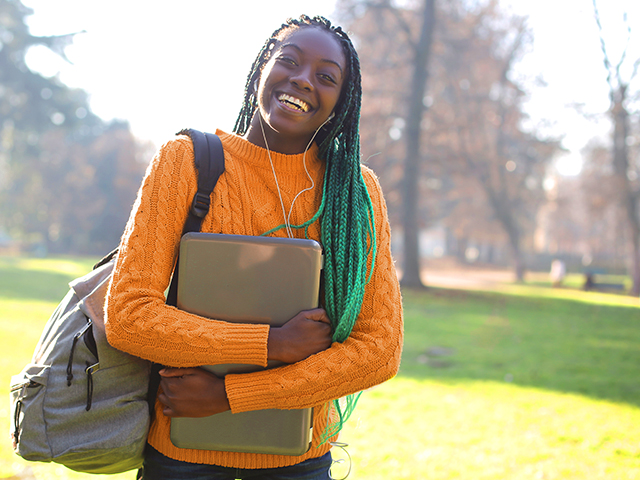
(299, 87)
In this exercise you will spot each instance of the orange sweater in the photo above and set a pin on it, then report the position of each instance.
(245, 202)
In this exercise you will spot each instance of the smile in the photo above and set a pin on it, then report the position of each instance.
(293, 102)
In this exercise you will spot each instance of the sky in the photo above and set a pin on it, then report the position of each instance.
(567, 57)
(162, 65)
(167, 65)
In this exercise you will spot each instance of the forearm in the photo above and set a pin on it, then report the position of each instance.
(367, 358)
(137, 319)
(370, 355)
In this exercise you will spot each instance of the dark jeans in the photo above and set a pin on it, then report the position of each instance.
(159, 467)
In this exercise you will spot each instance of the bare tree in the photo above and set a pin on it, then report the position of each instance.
(601, 220)
(476, 170)
(421, 53)
(403, 51)
(506, 163)
(627, 187)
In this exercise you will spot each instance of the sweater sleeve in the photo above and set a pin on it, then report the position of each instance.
(371, 355)
(137, 320)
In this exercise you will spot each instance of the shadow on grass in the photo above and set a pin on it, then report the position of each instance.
(566, 345)
(550, 343)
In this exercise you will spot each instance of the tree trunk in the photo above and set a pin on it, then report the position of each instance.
(510, 226)
(635, 250)
(411, 275)
(516, 253)
(629, 199)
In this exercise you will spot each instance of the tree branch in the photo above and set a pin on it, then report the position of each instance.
(626, 47)
(405, 27)
(635, 69)
(603, 47)
(385, 5)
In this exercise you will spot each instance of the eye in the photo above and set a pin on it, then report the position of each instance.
(287, 60)
(327, 77)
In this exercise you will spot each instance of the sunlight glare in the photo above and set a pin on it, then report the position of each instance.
(569, 165)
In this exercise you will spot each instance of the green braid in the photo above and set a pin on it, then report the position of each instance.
(347, 224)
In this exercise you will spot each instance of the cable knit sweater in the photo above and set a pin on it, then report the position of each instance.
(245, 202)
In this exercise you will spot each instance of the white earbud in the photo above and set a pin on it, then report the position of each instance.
(325, 122)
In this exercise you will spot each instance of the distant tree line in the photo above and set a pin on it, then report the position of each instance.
(67, 178)
(481, 171)
(443, 124)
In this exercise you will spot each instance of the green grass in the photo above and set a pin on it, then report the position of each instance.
(516, 382)
(562, 344)
(522, 383)
(576, 280)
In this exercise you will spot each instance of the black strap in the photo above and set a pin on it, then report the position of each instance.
(209, 162)
(107, 258)
(209, 159)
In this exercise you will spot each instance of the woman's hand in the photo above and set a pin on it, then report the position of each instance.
(191, 392)
(304, 335)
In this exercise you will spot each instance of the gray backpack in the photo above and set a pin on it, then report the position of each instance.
(81, 402)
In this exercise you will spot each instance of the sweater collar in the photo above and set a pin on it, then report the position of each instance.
(238, 147)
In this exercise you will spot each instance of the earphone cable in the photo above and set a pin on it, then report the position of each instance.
(273, 170)
(287, 217)
(304, 163)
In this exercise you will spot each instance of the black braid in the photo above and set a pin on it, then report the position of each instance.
(347, 226)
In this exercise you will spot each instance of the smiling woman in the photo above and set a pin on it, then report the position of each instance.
(298, 89)
(298, 128)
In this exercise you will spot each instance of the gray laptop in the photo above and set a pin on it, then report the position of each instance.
(247, 279)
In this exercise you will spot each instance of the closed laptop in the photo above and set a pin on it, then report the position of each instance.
(247, 279)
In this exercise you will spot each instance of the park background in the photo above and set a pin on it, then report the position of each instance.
(505, 135)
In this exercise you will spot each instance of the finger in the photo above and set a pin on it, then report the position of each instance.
(162, 398)
(323, 319)
(174, 372)
(319, 315)
(168, 412)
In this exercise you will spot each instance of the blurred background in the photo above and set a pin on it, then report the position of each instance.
(505, 133)
(506, 136)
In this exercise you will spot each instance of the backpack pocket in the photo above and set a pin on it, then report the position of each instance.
(83, 360)
(27, 413)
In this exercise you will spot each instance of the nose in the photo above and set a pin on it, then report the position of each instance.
(302, 80)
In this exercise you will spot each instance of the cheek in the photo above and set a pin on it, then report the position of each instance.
(262, 95)
(332, 99)
(271, 73)
(268, 78)
(339, 94)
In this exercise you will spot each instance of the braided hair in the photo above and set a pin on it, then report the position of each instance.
(347, 223)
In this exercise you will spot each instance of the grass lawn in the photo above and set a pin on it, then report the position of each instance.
(520, 382)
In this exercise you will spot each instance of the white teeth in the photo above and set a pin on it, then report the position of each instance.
(296, 102)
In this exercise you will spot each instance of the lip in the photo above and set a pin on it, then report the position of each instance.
(293, 110)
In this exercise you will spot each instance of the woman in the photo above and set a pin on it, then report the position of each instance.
(291, 168)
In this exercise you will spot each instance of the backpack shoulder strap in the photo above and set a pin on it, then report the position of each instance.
(209, 161)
